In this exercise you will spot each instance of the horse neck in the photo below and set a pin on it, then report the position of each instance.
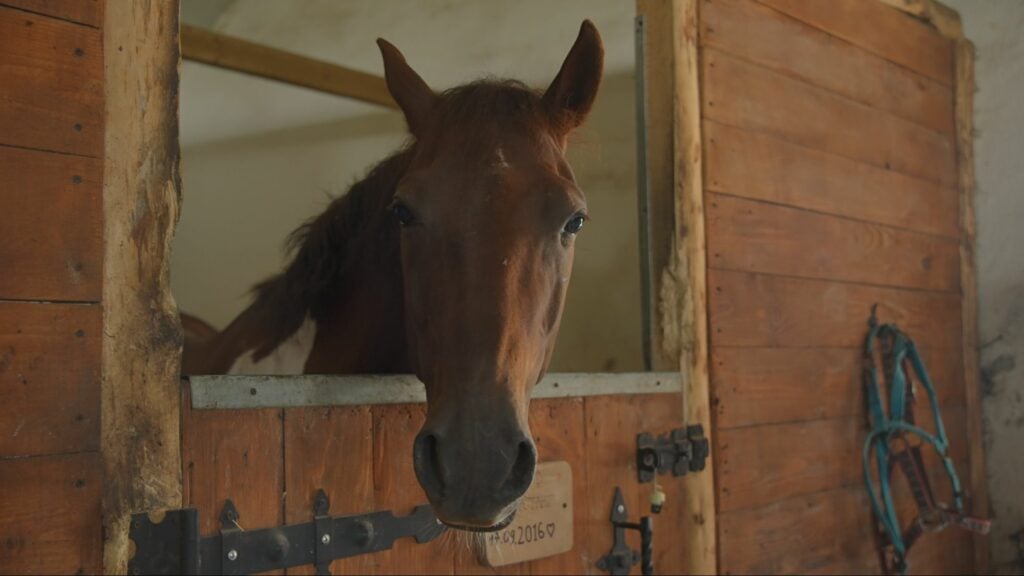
(357, 307)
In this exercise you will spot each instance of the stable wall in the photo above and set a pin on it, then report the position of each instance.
(995, 27)
(832, 184)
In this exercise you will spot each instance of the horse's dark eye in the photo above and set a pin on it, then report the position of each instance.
(403, 214)
(575, 224)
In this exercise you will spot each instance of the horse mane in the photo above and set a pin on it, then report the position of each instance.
(321, 248)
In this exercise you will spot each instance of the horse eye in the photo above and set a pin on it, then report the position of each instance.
(404, 215)
(575, 224)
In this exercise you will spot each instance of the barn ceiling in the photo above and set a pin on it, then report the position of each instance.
(447, 41)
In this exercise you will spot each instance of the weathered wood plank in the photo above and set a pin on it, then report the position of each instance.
(558, 431)
(880, 30)
(941, 17)
(52, 96)
(759, 310)
(745, 95)
(755, 236)
(612, 424)
(49, 515)
(969, 288)
(240, 55)
(141, 330)
(236, 455)
(824, 532)
(396, 489)
(755, 386)
(752, 165)
(769, 38)
(51, 242)
(329, 449)
(49, 378)
(764, 464)
(88, 12)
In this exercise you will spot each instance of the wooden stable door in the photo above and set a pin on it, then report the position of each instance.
(271, 463)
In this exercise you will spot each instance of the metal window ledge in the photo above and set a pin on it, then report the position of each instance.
(236, 392)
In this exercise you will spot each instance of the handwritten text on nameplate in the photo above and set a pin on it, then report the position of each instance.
(543, 524)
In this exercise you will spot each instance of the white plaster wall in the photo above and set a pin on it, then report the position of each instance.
(245, 193)
(997, 29)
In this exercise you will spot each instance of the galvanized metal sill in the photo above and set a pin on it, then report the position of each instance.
(238, 392)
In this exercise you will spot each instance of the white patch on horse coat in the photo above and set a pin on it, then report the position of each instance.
(288, 358)
(501, 162)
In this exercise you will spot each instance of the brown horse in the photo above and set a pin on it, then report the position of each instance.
(451, 260)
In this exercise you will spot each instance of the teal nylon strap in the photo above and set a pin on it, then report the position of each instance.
(885, 428)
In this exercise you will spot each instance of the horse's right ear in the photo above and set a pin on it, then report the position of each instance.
(412, 94)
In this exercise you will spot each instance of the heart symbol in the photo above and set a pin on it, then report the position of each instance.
(551, 529)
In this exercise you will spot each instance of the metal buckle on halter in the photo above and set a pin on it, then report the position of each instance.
(932, 519)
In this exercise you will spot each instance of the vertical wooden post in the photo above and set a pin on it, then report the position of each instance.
(964, 95)
(675, 164)
(141, 331)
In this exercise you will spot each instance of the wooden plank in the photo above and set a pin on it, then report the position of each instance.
(50, 515)
(754, 236)
(52, 96)
(612, 424)
(142, 338)
(769, 38)
(880, 30)
(969, 288)
(49, 378)
(558, 431)
(759, 310)
(329, 449)
(396, 489)
(236, 455)
(232, 53)
(53, 226)
(764, 464)
(754, 386)
(675, 165)
(824, 532)
(755, 166)
(88, 12)
(944, 19)
(748, 96)
(827, 532)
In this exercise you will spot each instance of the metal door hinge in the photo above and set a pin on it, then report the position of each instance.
(171, 544)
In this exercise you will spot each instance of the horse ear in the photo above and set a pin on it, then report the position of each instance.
(412, 94)
(572, 92)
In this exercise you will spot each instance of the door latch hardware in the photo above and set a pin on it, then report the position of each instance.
(172, 544)
(621, 558)
(681, 450)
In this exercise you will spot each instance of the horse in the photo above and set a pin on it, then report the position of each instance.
(450, 260)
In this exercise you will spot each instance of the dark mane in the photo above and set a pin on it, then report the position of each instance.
(323, 252)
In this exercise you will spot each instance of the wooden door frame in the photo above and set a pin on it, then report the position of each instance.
(140, 391)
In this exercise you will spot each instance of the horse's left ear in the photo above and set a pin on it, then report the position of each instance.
(572, 92)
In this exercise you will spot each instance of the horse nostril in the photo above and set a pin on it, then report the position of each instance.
(427, 464)
(521, 475)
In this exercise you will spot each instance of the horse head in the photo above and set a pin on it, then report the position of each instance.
(489, 210)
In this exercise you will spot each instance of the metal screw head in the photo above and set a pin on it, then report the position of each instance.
(326, 538)
(232, 555)
(620, 508)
